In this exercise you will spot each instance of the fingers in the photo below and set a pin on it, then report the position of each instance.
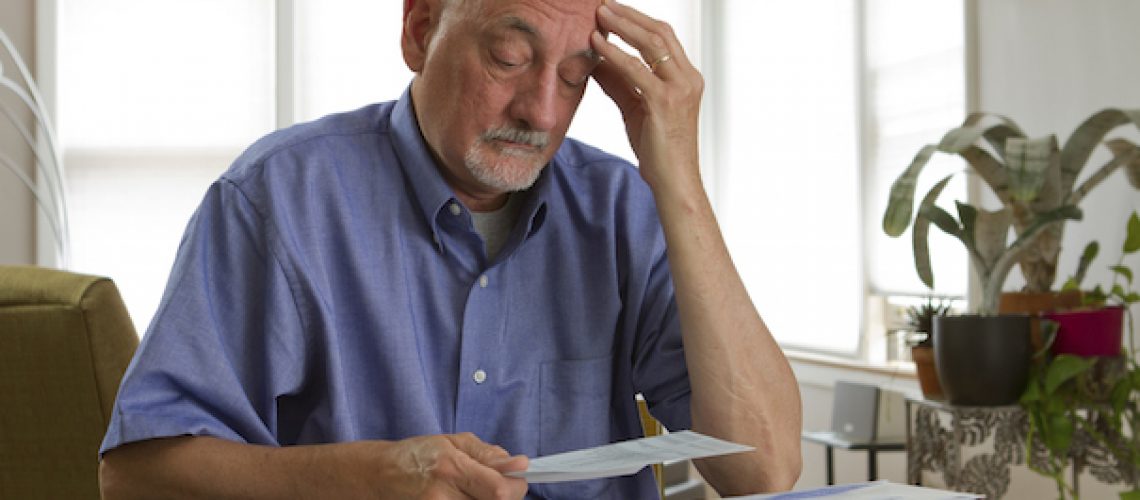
(630, 67)
(662, 28)
(482, 482)
(612, 79)
(516, 463)
(653, 39)
(477, 468)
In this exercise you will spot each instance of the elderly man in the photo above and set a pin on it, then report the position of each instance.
(408, 300)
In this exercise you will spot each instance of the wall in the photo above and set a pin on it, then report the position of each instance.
(1049, 64)
(17, 213)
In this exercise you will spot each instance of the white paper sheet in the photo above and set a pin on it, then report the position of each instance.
(874, 490)
(626, 457)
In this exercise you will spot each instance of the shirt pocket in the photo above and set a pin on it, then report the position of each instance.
(575, 413)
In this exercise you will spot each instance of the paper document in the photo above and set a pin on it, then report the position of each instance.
(874, 490)
(626, 457)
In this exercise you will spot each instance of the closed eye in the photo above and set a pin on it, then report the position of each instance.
(505, 63)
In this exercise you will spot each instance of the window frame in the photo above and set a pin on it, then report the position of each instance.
(708, 56)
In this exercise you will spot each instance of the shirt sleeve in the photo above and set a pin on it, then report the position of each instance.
(226, 341)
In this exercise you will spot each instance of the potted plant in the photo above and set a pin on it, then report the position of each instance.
(1035, 181)
(921, 320)
(1031, 178)
(1097, 328)
(1073, 398)
(982, 359)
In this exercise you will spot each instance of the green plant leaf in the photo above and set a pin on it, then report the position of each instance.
(1117, 291)
(1070, 212)
(1090, 252)
(1077, 149)
(967, 215)
(901, 201)
(1130, 495)
(995, 134)
(1032, 392)
(989, 235)
(1059, 434)
(1124, 148)
(921, 233)
(1063, 368)
(1132, 241)
(1121, 392)
(1095, 297)
(1132, 298)
(1123, 271)
(1070, 285)
(1028, 162)
(989, 169)
(943, 220)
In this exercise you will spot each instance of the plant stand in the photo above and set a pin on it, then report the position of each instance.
(939, 432)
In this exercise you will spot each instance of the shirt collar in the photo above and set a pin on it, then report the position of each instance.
(430, 190)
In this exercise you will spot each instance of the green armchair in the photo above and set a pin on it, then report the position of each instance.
(65, 341)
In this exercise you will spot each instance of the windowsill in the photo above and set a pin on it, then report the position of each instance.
(889, 368)
(816, 371)
(895, 369)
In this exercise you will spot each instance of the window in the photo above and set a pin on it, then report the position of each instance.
(915, 92)
(155, 99)
(822, 104)
(812, 107)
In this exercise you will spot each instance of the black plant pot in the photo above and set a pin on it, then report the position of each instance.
(982, 360)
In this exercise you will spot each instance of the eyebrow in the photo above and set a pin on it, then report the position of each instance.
(518, 24)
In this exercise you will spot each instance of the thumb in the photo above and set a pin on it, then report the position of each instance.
(489, 455)
(476, 448)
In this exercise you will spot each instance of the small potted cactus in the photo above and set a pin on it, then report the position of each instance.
(921, 321)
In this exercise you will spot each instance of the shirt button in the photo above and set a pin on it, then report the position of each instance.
(455, 210)
(483, 281)
(479, 376)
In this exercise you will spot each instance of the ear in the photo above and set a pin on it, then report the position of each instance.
(421, 17)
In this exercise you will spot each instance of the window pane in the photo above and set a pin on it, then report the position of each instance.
(156, 98)
(348, 55)
(788, 181)
(916, 92)
(156, 74)
(150, 197)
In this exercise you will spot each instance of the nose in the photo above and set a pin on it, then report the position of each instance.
(536, 100)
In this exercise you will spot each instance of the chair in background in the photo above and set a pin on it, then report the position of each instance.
(673, 480)
(858, 423)
(65, 341)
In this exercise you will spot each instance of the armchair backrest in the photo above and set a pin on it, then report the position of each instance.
(65, 341)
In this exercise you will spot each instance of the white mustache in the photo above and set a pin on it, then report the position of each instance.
(528, 137)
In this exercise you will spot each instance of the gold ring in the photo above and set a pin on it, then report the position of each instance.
(663, 59)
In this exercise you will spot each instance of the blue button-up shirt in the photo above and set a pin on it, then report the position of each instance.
(332, 288)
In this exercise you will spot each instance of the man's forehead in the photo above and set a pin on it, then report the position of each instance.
(530, 15)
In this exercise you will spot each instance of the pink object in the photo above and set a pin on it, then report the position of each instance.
(1093, 332)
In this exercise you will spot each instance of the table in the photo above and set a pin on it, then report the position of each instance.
(936, 445)
(831, 440)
